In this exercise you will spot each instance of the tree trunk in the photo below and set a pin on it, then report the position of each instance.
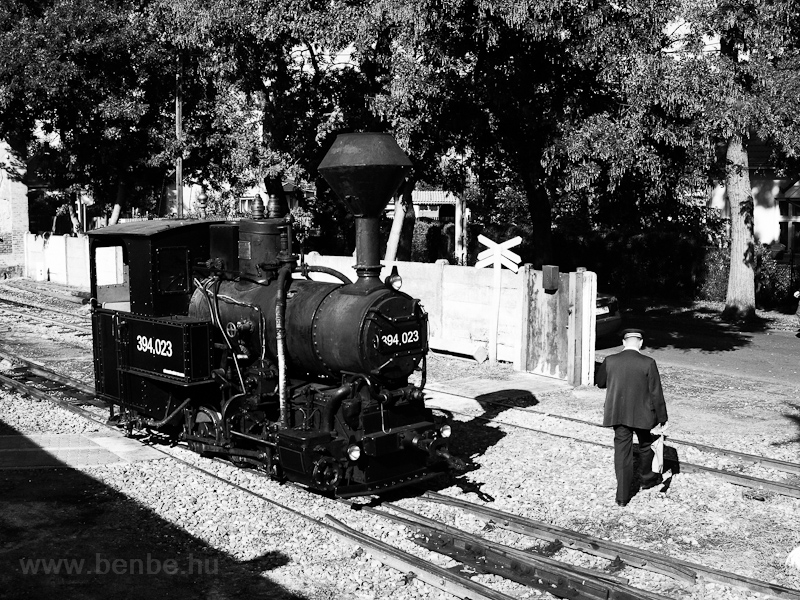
(741, 299)
(409, 219)
(73, 217)
(397, 229)
(117, 211)
(541, 218)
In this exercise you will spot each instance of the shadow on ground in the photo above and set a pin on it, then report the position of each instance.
(672, 464)
(63, 534)
(471, 439)
(794, 418)
(691, 329)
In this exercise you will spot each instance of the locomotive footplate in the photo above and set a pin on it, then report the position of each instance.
(387, 485)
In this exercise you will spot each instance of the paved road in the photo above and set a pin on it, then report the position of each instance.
(705, 344)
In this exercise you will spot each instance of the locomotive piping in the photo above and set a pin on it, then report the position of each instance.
(332, 406)
(280, 338)
(168, 418)
(216, 320)
(305, 269)
(261, 320)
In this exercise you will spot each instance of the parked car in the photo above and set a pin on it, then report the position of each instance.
(608, 319)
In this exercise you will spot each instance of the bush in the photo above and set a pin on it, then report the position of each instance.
(427, 241)
(773, 279)
(714, 275)
(666, 264)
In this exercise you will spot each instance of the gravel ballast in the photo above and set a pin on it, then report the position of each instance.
(698, 518)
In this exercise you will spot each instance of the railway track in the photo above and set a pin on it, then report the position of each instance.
(772, 463)
(754, 483)
(474, 553)
(80, 325)
(42, 374)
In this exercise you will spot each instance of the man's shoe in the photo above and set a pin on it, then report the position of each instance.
(622, 504)
(646, 485)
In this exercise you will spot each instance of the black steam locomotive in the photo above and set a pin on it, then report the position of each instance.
(212, 330)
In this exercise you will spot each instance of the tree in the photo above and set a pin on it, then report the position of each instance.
(86, 76)
(725, 73)
(500, 86)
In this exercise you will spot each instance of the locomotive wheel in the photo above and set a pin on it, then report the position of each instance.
(327, 473)
(206, 425)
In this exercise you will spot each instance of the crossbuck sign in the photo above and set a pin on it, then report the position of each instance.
(497, 255)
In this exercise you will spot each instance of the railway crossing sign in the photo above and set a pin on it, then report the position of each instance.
(497, 255)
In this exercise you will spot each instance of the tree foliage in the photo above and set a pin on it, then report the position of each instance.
(605, 114)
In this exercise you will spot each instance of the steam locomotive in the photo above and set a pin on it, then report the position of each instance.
(214, 331)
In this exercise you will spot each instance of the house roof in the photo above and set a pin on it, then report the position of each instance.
(793, 192)
(435, 197)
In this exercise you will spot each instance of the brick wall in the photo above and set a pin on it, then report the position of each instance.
(6, 242)
(13, 212)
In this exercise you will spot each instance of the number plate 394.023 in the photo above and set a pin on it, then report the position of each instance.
(391, 341)
(162, 347)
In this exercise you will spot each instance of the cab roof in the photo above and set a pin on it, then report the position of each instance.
(148, 228)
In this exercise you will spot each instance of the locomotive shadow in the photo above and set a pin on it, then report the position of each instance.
(472, 438)
(106, 545)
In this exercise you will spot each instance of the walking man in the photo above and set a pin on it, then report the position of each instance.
(634, 404)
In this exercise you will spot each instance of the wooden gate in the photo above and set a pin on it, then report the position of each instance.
(558, 326)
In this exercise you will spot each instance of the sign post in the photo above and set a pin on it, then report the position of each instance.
(497, 255)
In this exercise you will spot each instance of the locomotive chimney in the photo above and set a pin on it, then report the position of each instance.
(365, 170)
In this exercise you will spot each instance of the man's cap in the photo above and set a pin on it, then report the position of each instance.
(626, 333)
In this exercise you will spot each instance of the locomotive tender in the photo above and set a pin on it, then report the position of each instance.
(211, 330)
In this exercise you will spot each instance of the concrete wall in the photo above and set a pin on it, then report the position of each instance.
(58, 258)
(549, 334)
(457, 300)
(543, 333)
(13, 211)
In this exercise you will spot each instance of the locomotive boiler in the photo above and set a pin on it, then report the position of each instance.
(215, 332)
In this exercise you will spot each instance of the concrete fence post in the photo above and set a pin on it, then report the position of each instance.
(526, 306)
(582, 332)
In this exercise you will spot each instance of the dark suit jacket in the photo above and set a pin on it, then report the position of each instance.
(634, 396)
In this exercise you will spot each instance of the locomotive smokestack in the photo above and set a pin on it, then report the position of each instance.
(365, 170)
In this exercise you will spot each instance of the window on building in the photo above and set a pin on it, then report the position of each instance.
(790, 227)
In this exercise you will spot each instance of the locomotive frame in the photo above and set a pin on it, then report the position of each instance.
(212, 331)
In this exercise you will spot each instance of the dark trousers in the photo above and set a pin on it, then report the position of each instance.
(623, 458)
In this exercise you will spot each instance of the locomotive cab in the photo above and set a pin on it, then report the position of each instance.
(146, 267)
(146, 351)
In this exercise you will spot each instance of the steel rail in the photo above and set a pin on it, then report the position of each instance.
(79, 328)
(42, 307)
(34, 287)
(40, 370)
(438, 577)
(524, 567)
(784, 489)
(435, 576)
(635, 557)
(778, 465)
(27, 389)
(453, 582)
